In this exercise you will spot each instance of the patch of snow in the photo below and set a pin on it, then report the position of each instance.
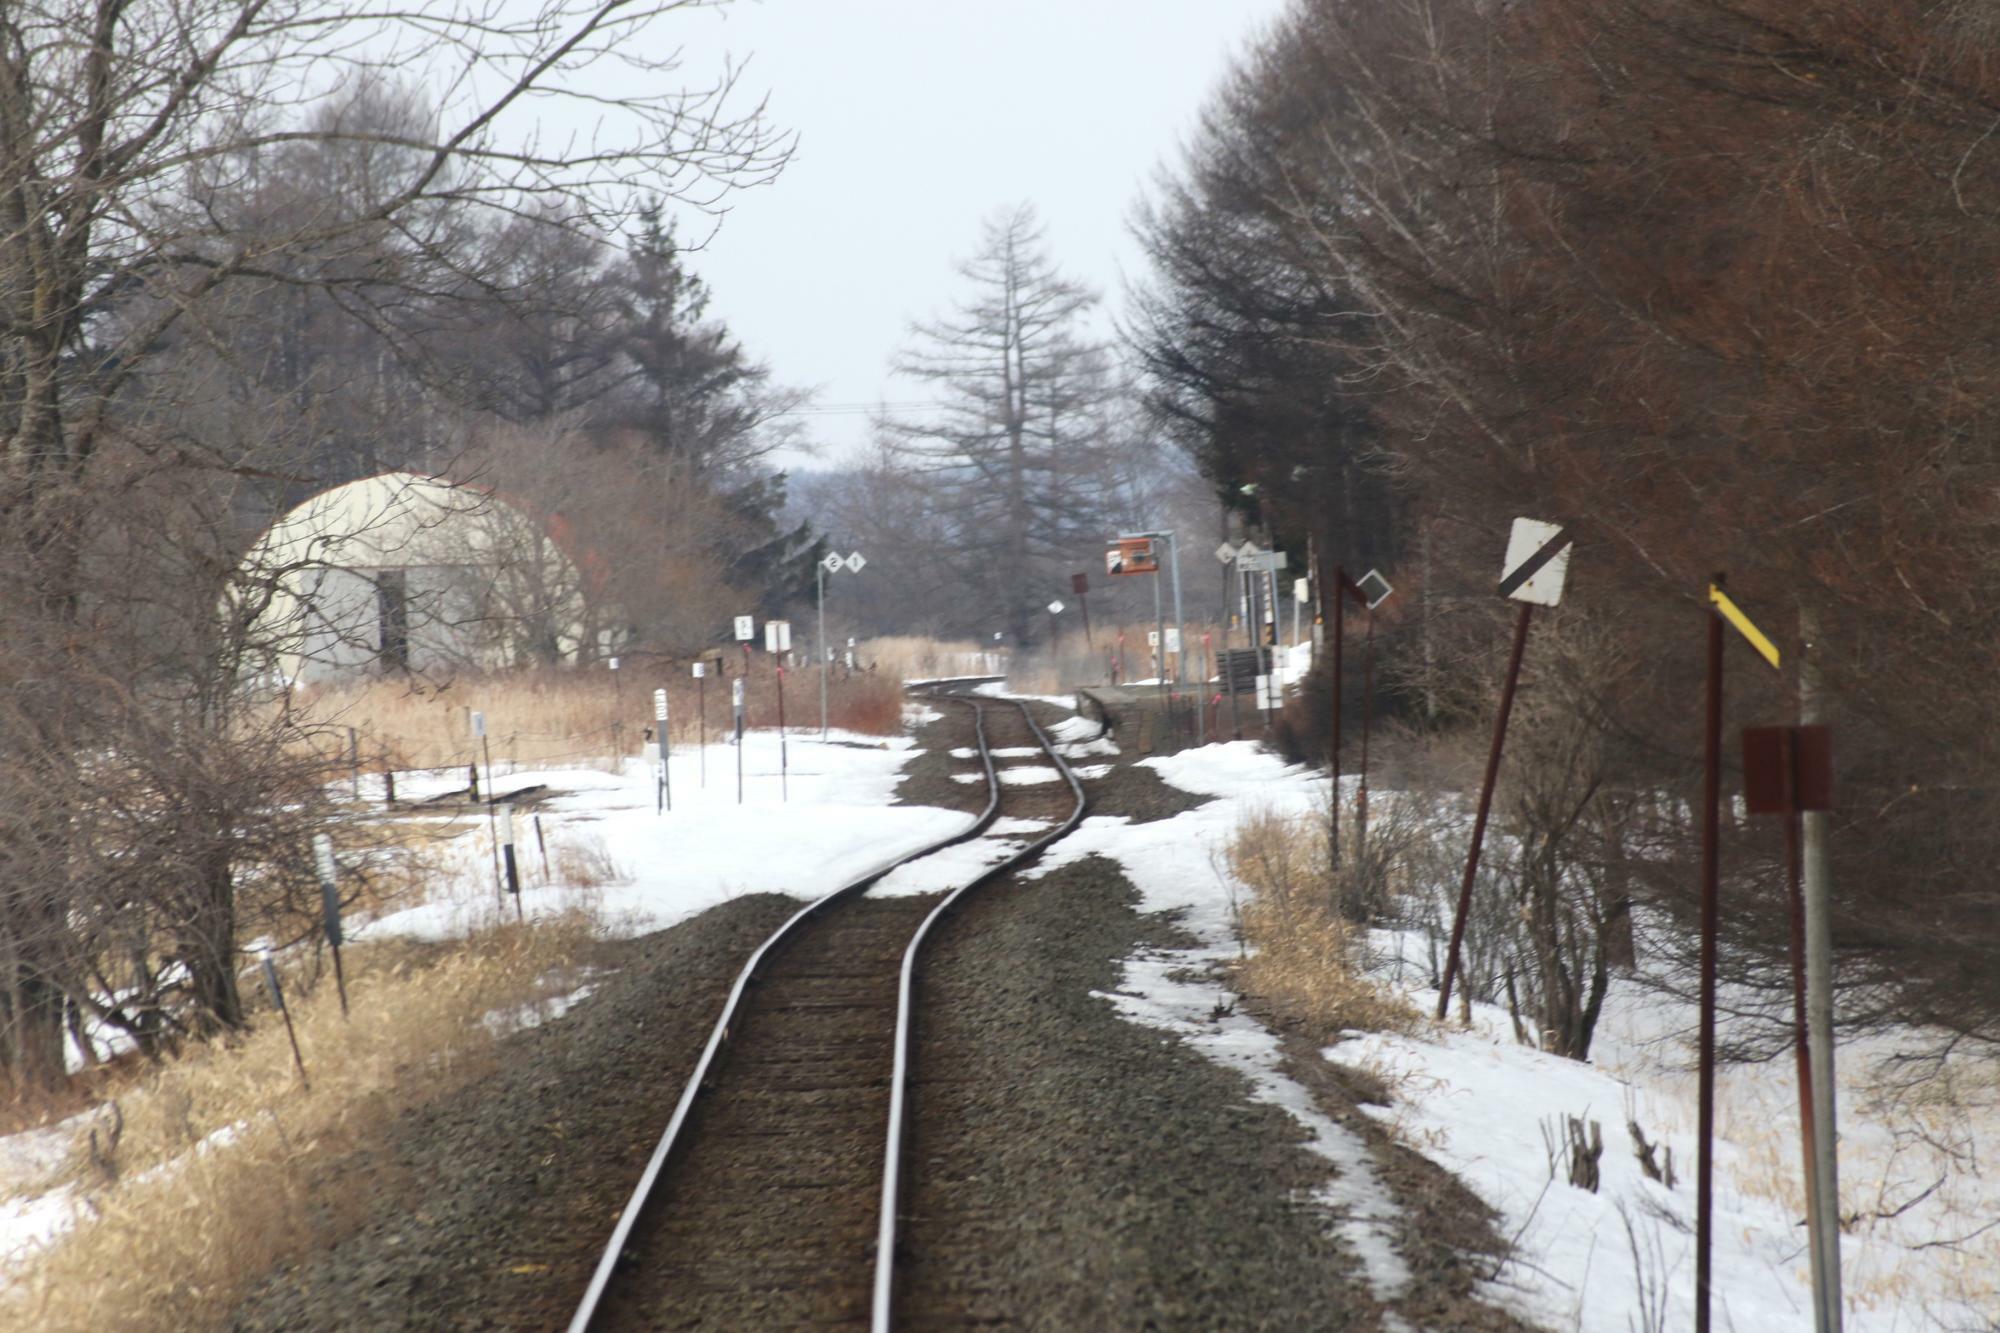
(829, 821)
(1155, 991)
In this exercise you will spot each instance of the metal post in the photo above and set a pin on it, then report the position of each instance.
(329, 892)
(278, 998)
(486, 747)
(1160, 629)
(1367, 720)
(1818, 895)
(701, 724)
(1333, 753)
(1711, 833)
(1083, 605)
(1801, 1042)
(819, 572)
(1485, 799)
(1228, 676)
(513, 866)
(736, 691)
(1180, 617)
(784, 760)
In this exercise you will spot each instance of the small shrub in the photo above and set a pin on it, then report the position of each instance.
(1304, 957)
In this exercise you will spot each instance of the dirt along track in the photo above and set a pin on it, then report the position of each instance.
(766, 1213)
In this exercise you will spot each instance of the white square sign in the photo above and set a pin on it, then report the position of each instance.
(700, 670)
(659, 705)
(746, 628)
(777, 636)
(1173, 640)
(1302, 590)
(1545, 588)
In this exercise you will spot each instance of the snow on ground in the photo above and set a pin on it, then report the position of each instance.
(1476, 1101)
(1157, 991)
(996, 689)
(829, 821)
(1177, 866)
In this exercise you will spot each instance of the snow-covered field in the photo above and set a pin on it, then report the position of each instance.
(828, 821)
(1475, 1101)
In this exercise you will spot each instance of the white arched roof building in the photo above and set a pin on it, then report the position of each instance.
(402, 572)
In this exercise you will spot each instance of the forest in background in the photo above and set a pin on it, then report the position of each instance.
(1704, 281)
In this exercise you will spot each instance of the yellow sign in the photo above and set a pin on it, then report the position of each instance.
(1734, 615)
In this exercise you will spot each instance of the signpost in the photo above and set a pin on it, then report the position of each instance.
(736, 703)
(507, 851)
(1788, 771)
(329, 905)
(479, 731)
(663, 797)
(1537, 562)
(831, 563)
(1371, 590)
(1227, 555)
(1720, 610)
(700, 670)
(778, 642)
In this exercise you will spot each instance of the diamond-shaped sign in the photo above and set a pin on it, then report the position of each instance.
(832, 564)
(856, 562)
(1249, 548)
(1055, 608)
(1225, 553)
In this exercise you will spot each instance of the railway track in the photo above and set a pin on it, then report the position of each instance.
(773, 1196)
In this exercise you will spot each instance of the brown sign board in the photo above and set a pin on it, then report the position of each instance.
(1768, 754)
(1079, 583)
(1132, 555)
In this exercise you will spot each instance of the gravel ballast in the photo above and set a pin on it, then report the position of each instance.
(491, 1204)
(1068, 1168)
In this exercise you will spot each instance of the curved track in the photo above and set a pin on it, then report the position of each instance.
(774, 1178)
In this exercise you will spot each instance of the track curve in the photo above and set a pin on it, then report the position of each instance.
(803, 1028)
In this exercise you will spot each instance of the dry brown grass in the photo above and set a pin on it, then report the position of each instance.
(1073, 661)
(571, 718)
(213, 1178)
(1303, 958)
(908, 657)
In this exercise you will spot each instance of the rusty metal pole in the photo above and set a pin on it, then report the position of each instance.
(1367, 721)
(1711, 834)
(1333, 753)
(1521, 622)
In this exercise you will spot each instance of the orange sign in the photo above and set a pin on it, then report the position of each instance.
(1132, 555)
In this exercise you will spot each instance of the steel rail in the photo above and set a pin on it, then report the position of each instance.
(883, 1312)
(635, 1207)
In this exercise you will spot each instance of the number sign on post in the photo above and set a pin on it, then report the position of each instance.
(664, 797)
(746, 628)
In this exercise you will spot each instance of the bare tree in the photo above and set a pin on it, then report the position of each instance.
(129, 135)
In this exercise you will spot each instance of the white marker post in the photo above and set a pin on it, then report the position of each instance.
(736, 701)
(479, 732)
(663, 799)
(1536, 564)
(329, 907)
(507, 853)
(701, 717)
(778, 642)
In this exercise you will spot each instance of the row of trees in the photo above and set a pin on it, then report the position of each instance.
(239, 260)
(1705, 280)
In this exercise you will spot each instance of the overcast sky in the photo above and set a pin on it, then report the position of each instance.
(916, 119)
